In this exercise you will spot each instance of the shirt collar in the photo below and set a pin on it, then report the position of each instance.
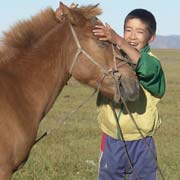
(146, 49)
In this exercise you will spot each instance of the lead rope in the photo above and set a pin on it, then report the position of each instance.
(119, 132)
(121, 137)
(142, 136)
(65, 118)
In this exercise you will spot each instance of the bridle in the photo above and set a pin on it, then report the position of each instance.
(113, 72)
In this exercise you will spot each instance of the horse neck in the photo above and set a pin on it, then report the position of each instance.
(41, 74)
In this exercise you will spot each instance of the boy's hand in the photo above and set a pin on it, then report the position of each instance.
(106, 33)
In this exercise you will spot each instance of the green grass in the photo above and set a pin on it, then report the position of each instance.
(71, 152)
(168, 136)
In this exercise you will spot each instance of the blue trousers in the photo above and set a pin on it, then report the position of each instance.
(114, 165)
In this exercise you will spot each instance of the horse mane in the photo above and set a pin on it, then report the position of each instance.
(24, 34)
(27, 32)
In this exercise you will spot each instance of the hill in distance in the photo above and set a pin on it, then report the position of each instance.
(166, 42)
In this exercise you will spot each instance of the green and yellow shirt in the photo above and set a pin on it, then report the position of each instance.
(144, 109)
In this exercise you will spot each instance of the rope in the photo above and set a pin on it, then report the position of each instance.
(65, 118)
(120, 136)
(80, 50)
(142, 136)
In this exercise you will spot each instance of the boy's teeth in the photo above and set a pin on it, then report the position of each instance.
(132, 44)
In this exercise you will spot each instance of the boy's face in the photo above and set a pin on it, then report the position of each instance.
(136, 33)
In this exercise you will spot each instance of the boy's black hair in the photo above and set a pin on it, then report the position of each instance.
(146, 17)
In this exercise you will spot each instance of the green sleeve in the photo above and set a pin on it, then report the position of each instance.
(151, 75)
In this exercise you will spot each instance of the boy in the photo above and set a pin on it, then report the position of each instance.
(139, 31)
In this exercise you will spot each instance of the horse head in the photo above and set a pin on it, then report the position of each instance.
(95, 62)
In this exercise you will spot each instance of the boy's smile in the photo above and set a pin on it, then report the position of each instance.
(136, 33)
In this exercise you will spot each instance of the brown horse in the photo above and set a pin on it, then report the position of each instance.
(37, 58)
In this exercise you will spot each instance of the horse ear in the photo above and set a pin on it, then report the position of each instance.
(63, 12)
(73, 5)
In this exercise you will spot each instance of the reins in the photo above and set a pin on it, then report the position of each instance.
(65, 118)
(120, 136)
(142, 136)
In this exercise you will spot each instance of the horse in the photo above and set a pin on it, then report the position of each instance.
(37, 58)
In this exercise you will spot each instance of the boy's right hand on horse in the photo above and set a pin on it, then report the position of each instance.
(106, 33)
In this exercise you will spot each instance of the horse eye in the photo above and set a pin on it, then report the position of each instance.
(103, 44)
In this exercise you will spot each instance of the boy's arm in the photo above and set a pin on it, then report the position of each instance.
(148, 68)
(105, 33)
(151, 75)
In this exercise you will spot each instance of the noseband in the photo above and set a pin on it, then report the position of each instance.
(113, 72)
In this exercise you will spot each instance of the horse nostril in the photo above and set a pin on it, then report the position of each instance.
(129, 90)
(135, 92)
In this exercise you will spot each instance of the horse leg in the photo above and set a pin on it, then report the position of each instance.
(5, 173)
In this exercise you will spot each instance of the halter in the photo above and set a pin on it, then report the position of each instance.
(112, 71)
(81, 50)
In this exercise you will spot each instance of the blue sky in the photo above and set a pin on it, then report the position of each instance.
(167, 13)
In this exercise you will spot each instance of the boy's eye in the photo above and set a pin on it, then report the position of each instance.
(127, 30)
(140, 32)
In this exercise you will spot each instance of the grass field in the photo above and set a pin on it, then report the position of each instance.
(71, 152)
